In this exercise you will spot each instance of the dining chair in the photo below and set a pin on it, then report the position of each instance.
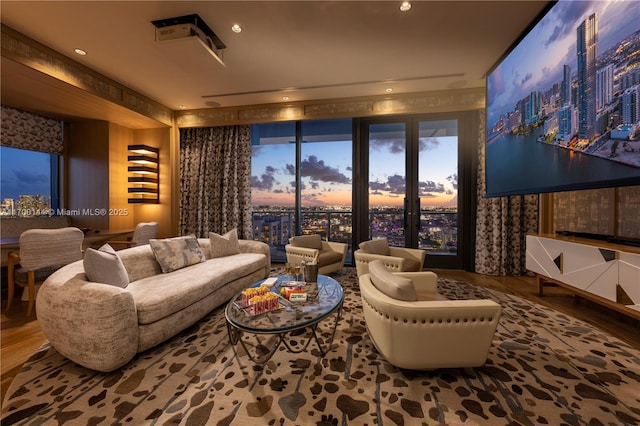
(142, 233)
(42, 252)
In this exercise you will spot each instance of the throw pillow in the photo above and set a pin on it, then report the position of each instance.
(178, 252)
(224, 245)
(377, 246)
(104, 266)
(313, 241)
(394, 286)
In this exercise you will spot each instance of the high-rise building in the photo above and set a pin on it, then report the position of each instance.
(565, 87)
(587, 40)
(631, 105)
(604, 87)
(532, 108)
(566, 122)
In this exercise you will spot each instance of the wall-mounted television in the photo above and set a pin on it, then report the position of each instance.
(563, 104)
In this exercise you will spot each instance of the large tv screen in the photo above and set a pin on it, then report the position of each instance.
(563, 105)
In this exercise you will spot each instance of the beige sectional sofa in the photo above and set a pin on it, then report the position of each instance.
(102, 326)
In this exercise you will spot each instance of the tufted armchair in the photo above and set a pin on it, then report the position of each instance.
(42, 252)
(308, 248)
(396, 259)
(414, 327)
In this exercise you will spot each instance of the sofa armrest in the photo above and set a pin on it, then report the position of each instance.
(251, 246)
(92, 324)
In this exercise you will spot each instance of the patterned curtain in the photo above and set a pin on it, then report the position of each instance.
(215, 180)
(502, 224)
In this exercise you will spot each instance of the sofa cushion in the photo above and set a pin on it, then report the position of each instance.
(104, 266)
(140, 262)
(394, 286)
(159, 296)
(176, 253)
(377, 246)
(224, 245)
(313, 241)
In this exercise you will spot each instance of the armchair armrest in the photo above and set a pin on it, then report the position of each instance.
(334, 246)
(392, 263)
(408, 253)
(295, 255)
(423, 281)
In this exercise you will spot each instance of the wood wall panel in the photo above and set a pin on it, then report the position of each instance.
(609, 211)
(121, 215)
(87, 172)
(628, 208)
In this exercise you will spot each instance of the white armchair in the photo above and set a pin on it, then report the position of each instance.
(428, 332)
(396, 259)
(309, 248)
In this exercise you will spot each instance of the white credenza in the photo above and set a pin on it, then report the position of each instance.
(603, 272)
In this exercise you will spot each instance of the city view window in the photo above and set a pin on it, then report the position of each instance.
(320, 198)
(29, 183)
(273, 185)
(326, 180)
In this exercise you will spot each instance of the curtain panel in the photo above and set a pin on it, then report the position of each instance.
(32, 132)
(215, 180)
(502, 224)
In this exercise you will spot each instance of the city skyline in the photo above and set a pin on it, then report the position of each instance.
(538, 61)
(24, 173)
(327, 172)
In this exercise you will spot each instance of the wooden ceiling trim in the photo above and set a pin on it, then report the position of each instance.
(411, 103)
(35, 55)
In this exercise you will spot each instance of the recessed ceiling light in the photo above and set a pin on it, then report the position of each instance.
(182, 107)
(236, 28)
(405, 6)
(80, 52)
(388, 90)
(285, 98)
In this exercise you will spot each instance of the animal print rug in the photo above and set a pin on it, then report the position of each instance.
(544, 367)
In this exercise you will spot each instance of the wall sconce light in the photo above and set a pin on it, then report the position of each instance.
(144, 174)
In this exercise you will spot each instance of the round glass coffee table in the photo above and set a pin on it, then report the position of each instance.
(292, 320)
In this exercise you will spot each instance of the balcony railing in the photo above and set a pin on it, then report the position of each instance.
(437, 234)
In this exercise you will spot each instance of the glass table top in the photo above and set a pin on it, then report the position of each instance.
(326, 298)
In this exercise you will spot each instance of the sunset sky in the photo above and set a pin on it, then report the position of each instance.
(327, 171)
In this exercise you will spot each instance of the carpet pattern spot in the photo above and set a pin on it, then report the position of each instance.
(544, 367)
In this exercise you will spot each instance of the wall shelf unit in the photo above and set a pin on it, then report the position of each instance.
(144, 173)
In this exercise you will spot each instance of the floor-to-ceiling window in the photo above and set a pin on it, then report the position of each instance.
(326, 179)
(301, 181)
(352, 180)
(273, 184)
(412, 168)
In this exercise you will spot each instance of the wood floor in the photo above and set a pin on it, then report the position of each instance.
(21, 336)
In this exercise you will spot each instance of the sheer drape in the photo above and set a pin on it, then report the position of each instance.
(215, 180)
(501, 225)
